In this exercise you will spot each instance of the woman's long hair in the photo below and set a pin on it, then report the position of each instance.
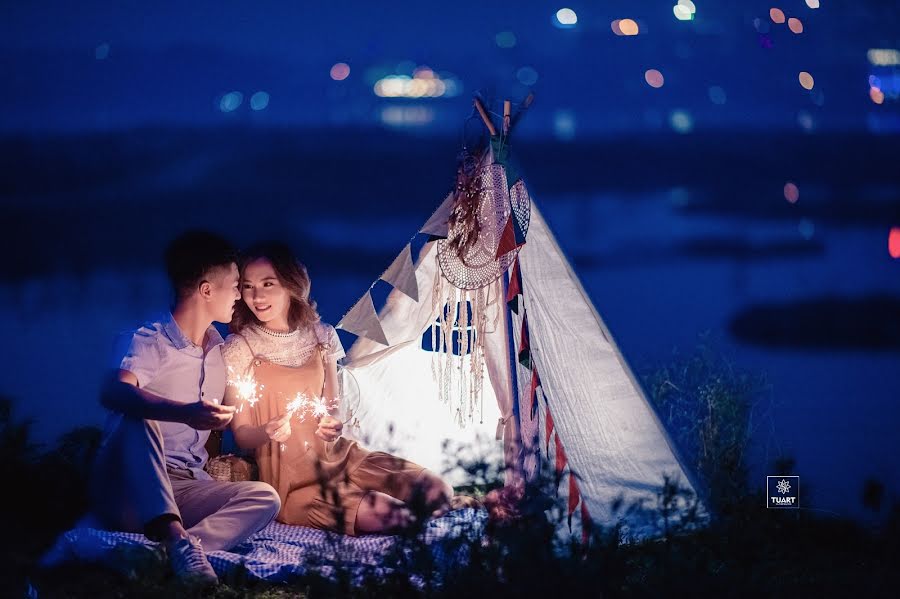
(293, 277)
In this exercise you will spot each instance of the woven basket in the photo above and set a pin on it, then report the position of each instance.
(231, 468)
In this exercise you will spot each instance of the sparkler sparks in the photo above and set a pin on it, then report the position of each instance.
(246, 387)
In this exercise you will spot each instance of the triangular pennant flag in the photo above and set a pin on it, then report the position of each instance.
(561, 460)
(402, 274)
(362, 321)
(535, 383)
(514, 290)
(509, 240)
(517, 229)
(525, 344)
(574, 497)
(548, 428)
(437, 225)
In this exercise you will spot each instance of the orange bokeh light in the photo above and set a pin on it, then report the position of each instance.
(806, 80)
(791, 192)
(795, 25)
(894, 242)
(777, 15)
(628, 27)
(877, 95)
(340, 71)
(654, 78)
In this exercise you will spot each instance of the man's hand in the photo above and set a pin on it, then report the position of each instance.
(206, 415)
(279, 428)
(329, 428)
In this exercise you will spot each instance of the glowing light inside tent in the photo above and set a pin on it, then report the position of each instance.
(505, 39)
(101, 52)
(795, 25)
(259, 101)
(883, 57)
(791, 192)
(424, 83)
(806, 80)
(565, 18)
(812, 3)
(527, 76)
(231, 101)
(777, 15)
(894, 242)
(340, 71)
(806, 228)
(654, 78)
(628, 27)
(717, 95)
(876, 95)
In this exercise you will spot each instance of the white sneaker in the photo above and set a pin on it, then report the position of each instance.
(189, 562)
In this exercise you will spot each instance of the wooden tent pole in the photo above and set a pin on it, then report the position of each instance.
(507, 110)
(484, 117)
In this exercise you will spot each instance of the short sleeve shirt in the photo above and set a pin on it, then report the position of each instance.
(166, 363)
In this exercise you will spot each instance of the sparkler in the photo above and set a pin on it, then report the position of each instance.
(246, 387)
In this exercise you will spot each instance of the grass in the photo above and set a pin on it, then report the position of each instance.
(745, 550)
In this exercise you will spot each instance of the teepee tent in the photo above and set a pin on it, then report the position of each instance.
(487, 339)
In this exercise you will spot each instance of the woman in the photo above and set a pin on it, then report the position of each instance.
(324, 480)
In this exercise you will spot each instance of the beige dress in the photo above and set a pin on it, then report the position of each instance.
(321, 484)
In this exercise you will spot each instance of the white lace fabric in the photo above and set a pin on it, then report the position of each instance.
(287, 349)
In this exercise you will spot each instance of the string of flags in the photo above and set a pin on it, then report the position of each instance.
(561, 466)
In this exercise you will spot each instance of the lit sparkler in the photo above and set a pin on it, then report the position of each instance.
(246, 387)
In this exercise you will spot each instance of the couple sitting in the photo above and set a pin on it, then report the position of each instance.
(170, 390)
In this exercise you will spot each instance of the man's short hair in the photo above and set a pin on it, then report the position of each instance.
(192, 255)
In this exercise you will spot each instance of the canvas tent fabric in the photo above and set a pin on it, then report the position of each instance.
(573, 406)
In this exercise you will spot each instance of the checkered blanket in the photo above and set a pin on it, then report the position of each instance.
(281, 553)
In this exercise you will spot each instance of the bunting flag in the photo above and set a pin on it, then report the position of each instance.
(535, 383)
(362, 321)
(515, 287)
(574, 496)
(525, 344)
(437, 225)
(586, 523)
(512, 236)
(401, 274)
(548, 427)
(561, 460)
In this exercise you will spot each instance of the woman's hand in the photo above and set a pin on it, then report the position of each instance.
(279, 428)
(329, 428)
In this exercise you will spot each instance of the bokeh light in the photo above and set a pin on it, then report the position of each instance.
(628, 27)
(777, 15)
(231, 101)
(527, 76)
(805, 120)
(795, 25)
(505, 39)
(791, 192)
(407, 116)
(883, 57)
(806, 80)
(717, 95)
(340, 71)
(565, 18)
(654, 78)
(615, 27)
(876, 95)
(424, 83)
(684, 10)
(812, 3)
(101, 52)
(681, 121)
(894, 242)
(259, 101)
(564, 124)
(806, 228)
(761, 26)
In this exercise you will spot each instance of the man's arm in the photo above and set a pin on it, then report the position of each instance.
(122, 393)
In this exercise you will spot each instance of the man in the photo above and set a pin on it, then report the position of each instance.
(165, 397)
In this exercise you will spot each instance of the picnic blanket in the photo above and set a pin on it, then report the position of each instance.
(281, 553)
